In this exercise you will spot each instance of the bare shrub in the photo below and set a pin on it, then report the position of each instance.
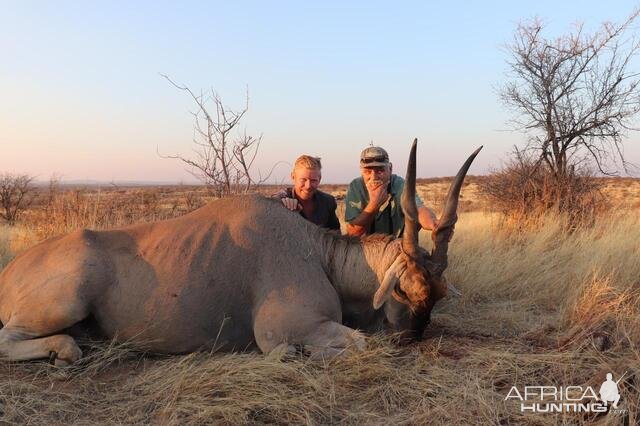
(224, 155)
(15, 195)
(524, 190)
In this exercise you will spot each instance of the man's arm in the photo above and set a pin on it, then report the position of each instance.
(361, 223)
(427, 218)
(333, 222)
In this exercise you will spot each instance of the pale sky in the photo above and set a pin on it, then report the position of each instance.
(81, 95)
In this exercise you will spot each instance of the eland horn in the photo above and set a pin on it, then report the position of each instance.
(447, 221)
(409, 208)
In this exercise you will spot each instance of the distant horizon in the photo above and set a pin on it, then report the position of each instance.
(127, 183)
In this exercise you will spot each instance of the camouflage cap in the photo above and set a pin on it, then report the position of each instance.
(373, 156)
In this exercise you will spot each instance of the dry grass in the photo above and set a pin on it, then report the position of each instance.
(13, 240)
(539, 307)
(101, 208)
(5, 240)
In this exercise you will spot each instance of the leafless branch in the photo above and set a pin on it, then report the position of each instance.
(223, 158)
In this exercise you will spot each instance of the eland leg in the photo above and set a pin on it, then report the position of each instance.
(31, 334)
(332, 339)
(33, 324)
(19, 344)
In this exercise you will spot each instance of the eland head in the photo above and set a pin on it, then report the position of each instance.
(415, 282)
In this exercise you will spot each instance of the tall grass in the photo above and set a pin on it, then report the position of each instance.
(540, 306)
(6, 253)
(547, 269)
(71, 210)
(13, 240)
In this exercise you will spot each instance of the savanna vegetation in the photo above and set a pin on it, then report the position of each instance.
(542, 304)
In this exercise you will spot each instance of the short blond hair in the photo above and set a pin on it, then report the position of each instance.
(308, 162)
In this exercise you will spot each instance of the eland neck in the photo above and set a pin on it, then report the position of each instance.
(357, 266)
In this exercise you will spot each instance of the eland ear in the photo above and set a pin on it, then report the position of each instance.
(383, 293)
(388, 284)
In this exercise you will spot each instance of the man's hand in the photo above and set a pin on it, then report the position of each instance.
(377, 195)
(292, 204)
(428, 220)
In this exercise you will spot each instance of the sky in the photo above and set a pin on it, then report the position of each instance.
(81, 95)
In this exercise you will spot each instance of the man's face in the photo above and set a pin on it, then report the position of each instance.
(376, 176)
(305, 182)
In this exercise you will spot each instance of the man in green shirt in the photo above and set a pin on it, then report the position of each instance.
(373, 199)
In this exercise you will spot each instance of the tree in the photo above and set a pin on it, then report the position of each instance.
(575, 95)
(224, 156)
(14, 190)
